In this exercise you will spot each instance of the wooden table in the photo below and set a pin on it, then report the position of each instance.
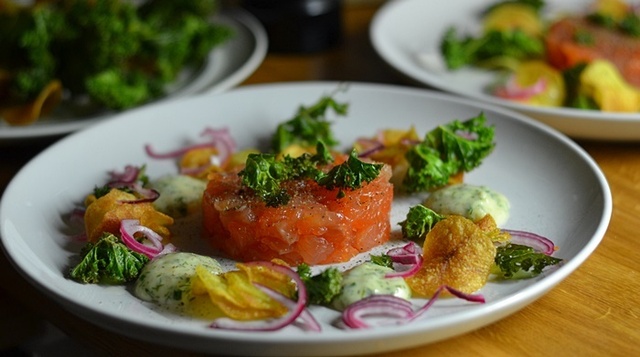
(595, 311)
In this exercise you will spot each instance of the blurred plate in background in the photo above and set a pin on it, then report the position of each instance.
(227, 66)
(402, 30)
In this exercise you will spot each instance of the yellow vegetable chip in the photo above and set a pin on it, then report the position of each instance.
(457, 253)
(234, 294)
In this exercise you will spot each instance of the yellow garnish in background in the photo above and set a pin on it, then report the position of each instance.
(530, 72)
(602, 81)
(617, 9)
(509, 17)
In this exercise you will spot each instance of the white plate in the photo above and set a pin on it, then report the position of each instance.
(403, 29)
(554, 187)
(226, 66)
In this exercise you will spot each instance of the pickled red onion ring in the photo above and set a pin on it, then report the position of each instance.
(219, 138)
(128, 176)
(407, 260)
(129, 227)
(536, 241)
(393, 309)
(128, 179)
(369, 146)
(512, 90)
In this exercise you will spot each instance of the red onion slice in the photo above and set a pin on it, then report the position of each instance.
(219, 138)
(128, 176)
(128, 179)
(369, 146)
(394, 310)
(536, 241)
(129, 227)
(478, 298)
(512, 90)
(407, 260)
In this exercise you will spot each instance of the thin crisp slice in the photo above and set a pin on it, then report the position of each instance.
(457, 253)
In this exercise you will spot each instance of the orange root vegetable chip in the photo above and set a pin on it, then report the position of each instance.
(105, 214)
(395, 144)
(457, 253)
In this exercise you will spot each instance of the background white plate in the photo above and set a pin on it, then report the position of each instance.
(227, 65)
(554, 187)
(404, 28)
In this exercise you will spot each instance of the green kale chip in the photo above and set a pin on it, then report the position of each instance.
(629, 24)
(573, 98)
(448, 150)
(383, 260)
(493, 45)
(306, 165)
(27, 42)
(117, 54)
(351, 174)
(108, 261)
(119, 89)
(515, 261)
(321, 288)
(420, 220)
(264, 174)
(308, 126)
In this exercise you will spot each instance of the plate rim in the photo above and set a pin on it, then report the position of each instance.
(508, 304)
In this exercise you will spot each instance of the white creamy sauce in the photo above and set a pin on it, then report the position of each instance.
(166, 278)
(473, 202)
(369, 279)
(180, 195)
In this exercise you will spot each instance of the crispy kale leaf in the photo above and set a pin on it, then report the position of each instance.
(382, 260)
(629, 24)
(265, 174)
(351, 174)
(306, 165)
(460, 51)
(515, 261)
(321, 288)
(308, 126)
(108, 261)
(574, 98)
(27, 42)
(420, 220)
(116, 52)
(448, 150)
(118, 89)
